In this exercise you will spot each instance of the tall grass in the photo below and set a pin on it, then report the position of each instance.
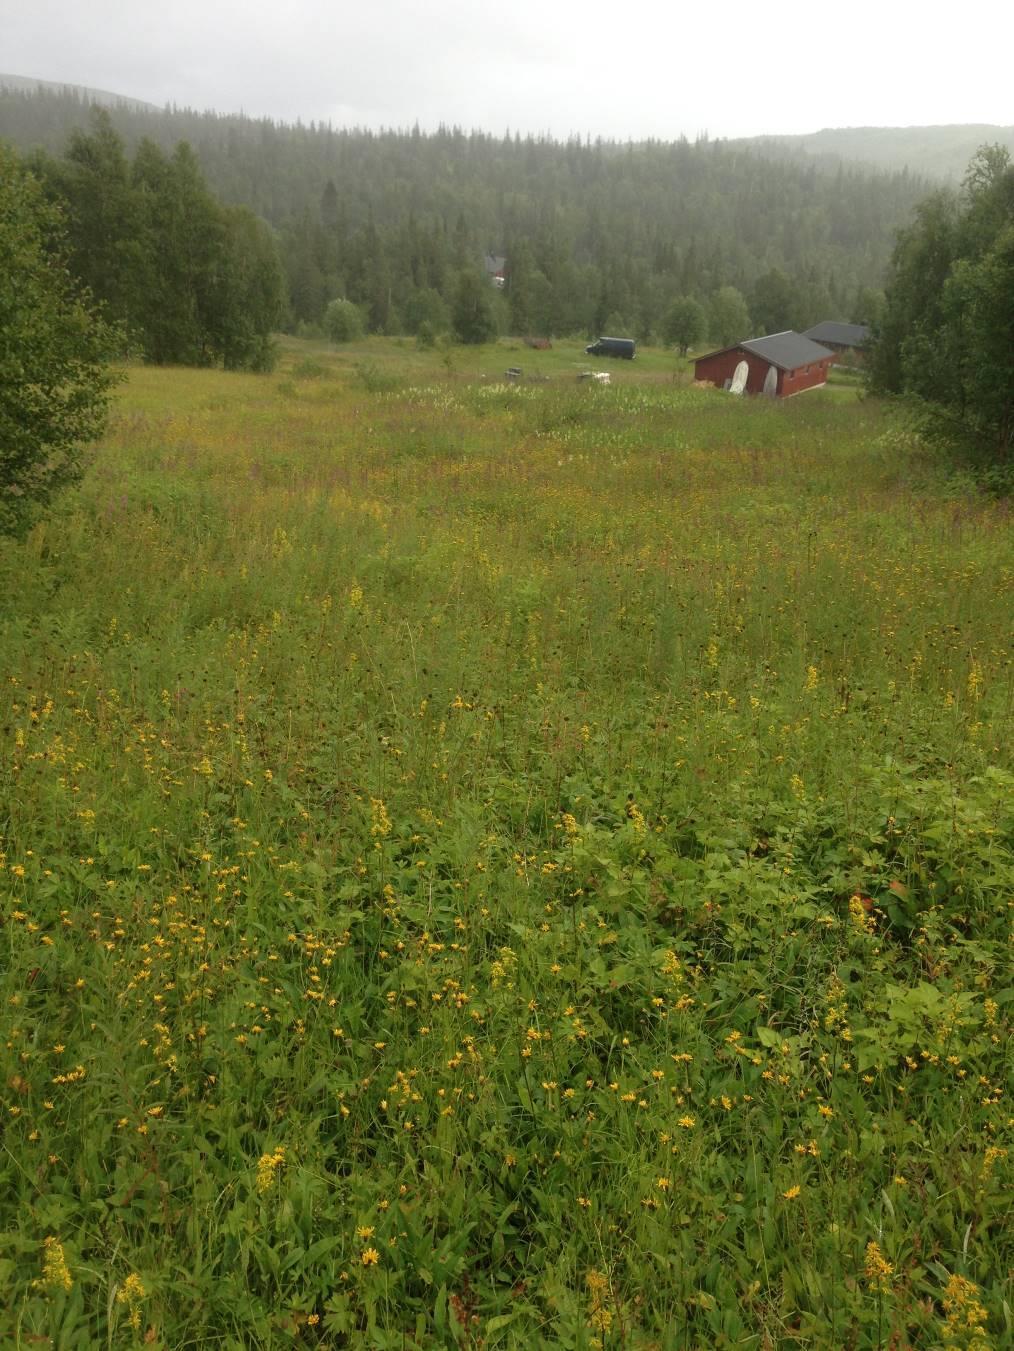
(504, 865)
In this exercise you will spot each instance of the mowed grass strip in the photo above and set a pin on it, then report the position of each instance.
(504, 864)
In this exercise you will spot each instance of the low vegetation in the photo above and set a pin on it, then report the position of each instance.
(504, 864)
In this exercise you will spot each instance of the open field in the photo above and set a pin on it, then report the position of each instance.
(504, 866)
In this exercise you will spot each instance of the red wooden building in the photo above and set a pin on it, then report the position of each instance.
(798, 363)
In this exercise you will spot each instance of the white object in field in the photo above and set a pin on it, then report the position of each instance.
(739, 378)
(771, 382)
(601, 377)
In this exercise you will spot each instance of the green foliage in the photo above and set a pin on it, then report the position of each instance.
(868, 307)
(250, 293)
(92, 183)
(588, 230)
(343, 321)
(728, 317)
(181, 244)
(472, 314)
(919, 270)
(194, 282)
(427, 307)
(947, 333)
(450, 895)
(774, 303)
(685, 324)
(54, 354)
(377, 378)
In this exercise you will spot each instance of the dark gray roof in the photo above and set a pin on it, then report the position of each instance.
(843, 335)
(788, 351)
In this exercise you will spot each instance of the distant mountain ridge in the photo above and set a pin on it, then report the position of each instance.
(941, 152)
(104, 97)
(936, 152)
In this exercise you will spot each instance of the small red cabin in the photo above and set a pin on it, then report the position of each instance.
(798, 363)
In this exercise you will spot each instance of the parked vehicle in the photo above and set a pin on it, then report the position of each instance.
(612, 347)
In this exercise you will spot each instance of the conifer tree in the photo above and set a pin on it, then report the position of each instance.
(472, 313)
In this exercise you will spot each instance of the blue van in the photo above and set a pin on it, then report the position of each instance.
(611, 347)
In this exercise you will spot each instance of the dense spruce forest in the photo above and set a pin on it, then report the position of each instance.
(597, 236)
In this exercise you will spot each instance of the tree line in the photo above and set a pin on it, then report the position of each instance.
(946, 339)
(187, 280)
(599, 236)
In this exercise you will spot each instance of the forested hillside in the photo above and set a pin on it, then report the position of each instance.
(940, 152)
(596, 235)
(104, 97)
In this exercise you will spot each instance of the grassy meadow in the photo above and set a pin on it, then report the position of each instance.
(505, 866)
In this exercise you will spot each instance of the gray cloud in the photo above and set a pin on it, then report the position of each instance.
(653, 68)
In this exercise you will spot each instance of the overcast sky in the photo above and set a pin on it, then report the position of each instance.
(648, 68)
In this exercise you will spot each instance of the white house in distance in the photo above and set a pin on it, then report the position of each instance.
(496, 270)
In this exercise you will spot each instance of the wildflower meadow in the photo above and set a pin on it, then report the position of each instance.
(505, 865)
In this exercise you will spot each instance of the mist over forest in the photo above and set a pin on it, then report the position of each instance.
(596, 235)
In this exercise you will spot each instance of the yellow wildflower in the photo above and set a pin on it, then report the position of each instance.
(877, 1269)
(131, 1293)
(597, 1284)
(380, 821)
(966, 1316)
(600, 1318)
(55, 1272)
(990, 1158)
(636, 817)
(268, 1166)
(862, 921)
